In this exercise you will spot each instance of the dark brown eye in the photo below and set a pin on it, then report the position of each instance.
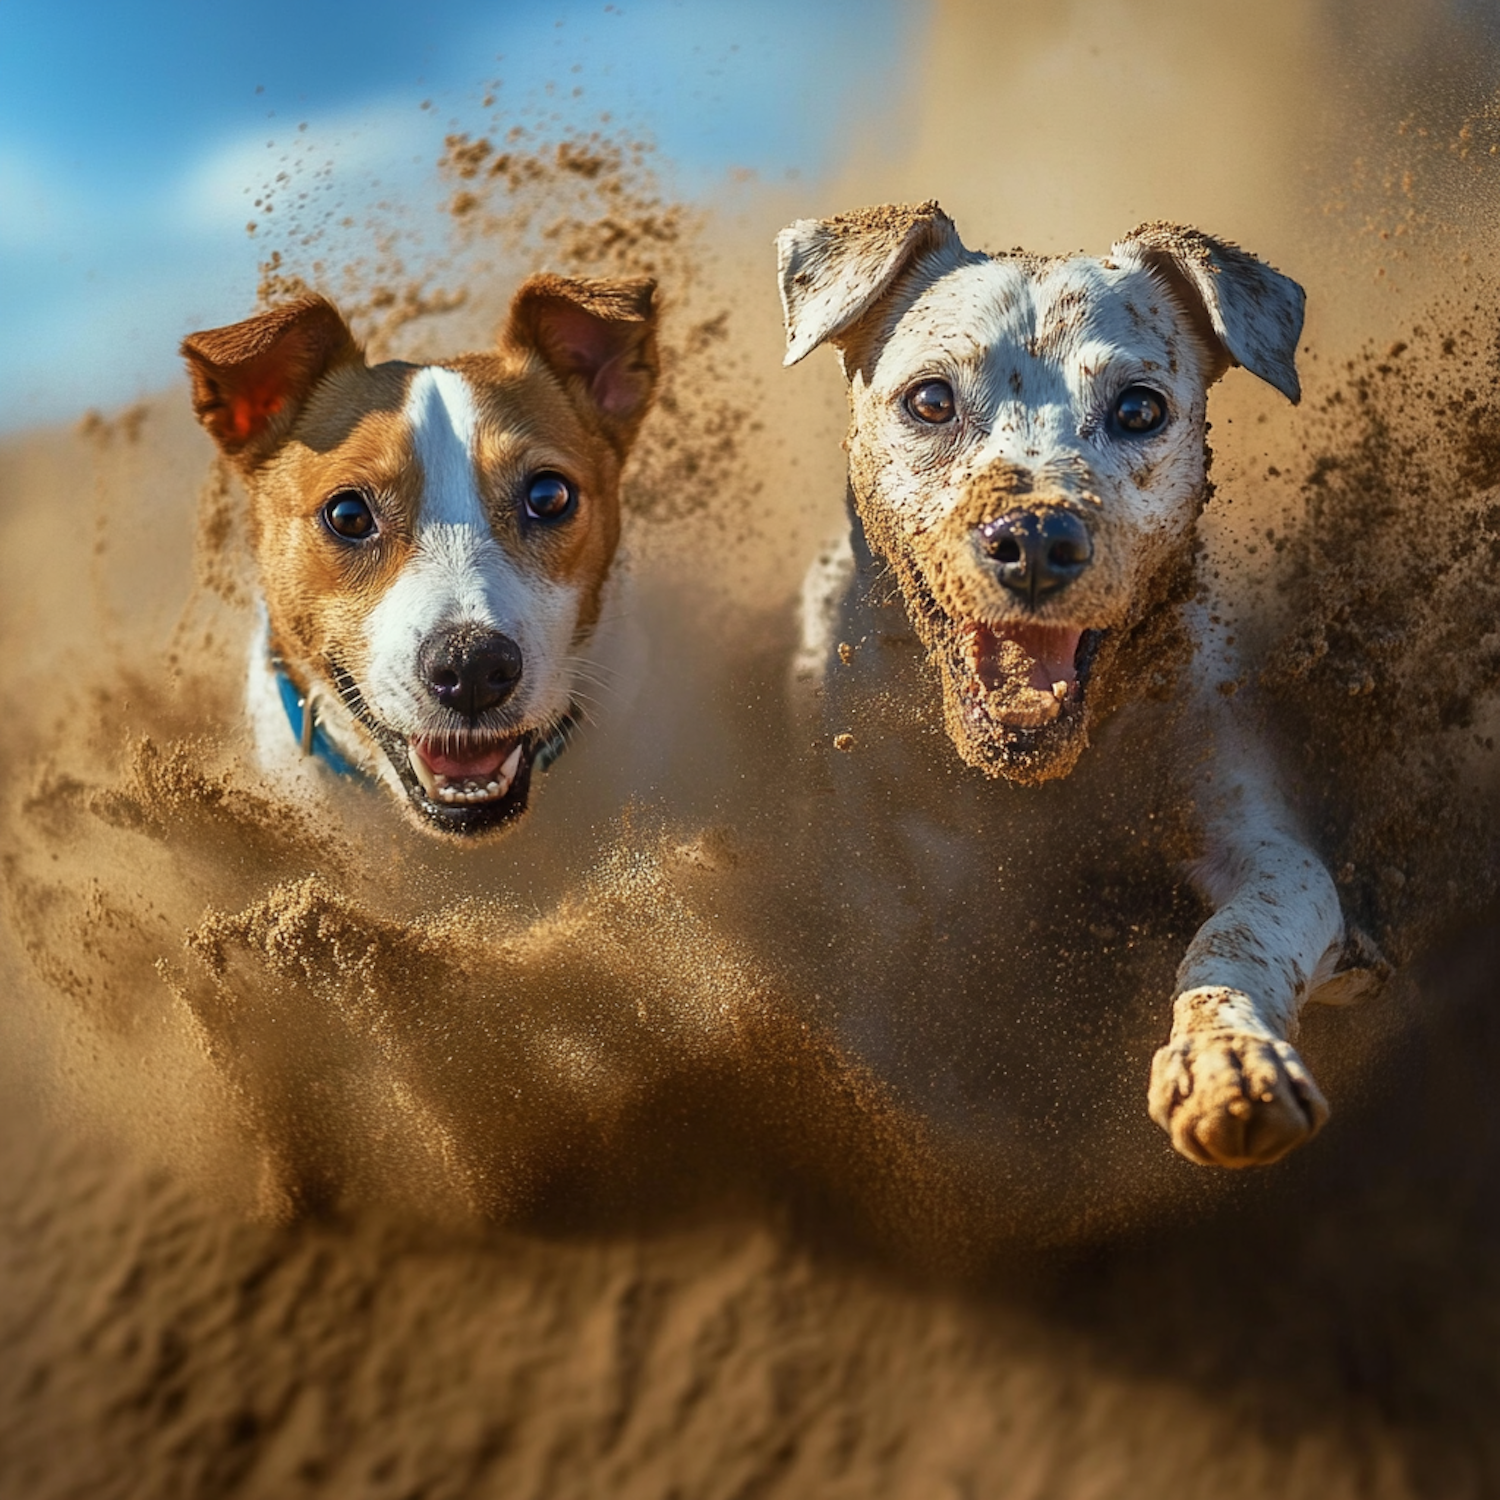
(1139, 411)
(348, 515)
(549, 497)
(931, 401)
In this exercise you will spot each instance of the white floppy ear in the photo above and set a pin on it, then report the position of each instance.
(833, 271)
(1245, 312)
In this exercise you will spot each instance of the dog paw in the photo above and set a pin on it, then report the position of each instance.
(1232, 1099)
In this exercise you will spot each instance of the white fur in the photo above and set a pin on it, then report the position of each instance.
(1037, 351)
(459, 575)
(277, 750)
(1044, 411)
(444, 422)
(824, 585)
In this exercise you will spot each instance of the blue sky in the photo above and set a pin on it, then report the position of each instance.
(129, 133)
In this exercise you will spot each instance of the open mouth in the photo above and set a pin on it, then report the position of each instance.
(467, 775)
(1026, 676)
(1017, 693)
(465, 780)
(468, 783)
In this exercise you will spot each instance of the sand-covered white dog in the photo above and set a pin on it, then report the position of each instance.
(1027, 462)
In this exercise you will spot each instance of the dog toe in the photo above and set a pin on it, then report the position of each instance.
(1232, 1100)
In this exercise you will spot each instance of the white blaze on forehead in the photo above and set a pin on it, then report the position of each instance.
(459, 574)
(444, 419)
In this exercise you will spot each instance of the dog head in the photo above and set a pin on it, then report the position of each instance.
(1026, 446)
(432, 540)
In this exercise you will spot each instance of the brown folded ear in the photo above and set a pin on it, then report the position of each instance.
(601, 332)
(249, 374)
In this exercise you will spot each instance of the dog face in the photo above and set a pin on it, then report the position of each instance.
(432, 540)
(1026, 446)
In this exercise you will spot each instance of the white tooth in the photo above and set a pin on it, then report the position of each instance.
(439, 778)
(1060, 691)
(422, 771)
(507, 773)
(493, 787)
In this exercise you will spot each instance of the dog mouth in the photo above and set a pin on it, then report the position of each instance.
(467, 783)
(1017, 695)
(465, 780)
(1025, 676)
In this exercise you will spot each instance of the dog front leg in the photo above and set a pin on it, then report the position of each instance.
(1229, 1087)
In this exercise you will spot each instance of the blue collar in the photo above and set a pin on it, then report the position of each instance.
(315, 742)
(308, 732)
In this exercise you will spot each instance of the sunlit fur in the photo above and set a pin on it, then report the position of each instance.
(1037, 352)
(446, 453)
(443, 455)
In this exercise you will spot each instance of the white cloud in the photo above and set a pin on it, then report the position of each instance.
(382, 144)
(115, 272)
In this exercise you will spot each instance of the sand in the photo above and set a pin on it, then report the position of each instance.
(336, 1162)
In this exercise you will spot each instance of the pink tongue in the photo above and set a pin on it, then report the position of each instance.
(478, 763)
(1053, 650)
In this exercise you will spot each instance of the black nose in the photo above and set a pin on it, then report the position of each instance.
(470, 670)
(1036, 552)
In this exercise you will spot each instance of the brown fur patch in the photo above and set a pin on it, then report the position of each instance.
(566, 390)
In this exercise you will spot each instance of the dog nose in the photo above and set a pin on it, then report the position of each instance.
(1036, 552)
(470, 670)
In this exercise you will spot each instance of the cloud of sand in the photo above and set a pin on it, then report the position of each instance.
(537, 1028)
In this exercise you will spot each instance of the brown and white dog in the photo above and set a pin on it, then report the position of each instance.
(432, 541)
(1027, 462)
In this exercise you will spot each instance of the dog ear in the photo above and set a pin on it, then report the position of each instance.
(248, 375)
(603, 332)
(1244, 312)
(833, 271)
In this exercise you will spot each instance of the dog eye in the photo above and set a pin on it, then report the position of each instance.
(347, 514)
(549, 497)
(1139, 411)
(931, 401)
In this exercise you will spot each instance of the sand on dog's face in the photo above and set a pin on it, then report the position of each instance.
(1033, 351)
(251, 1191)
